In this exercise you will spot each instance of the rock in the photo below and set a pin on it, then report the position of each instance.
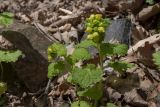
(119, 31)
(31, 69)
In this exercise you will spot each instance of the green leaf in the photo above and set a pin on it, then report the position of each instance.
(80, 54)
(6, 18)
(113, 49)
(57, 49)
(55, 68)
(9, 56)
(106, 49)
(120, 66)
(87, 76)
(110, 105)
(151, 2)
(80, 104)
(7, 14)
(3, 88)
(156, 59)
(94, 92)
(86, 44)
(69, 79)
(120, 49)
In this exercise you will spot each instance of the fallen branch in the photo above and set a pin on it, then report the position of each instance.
(77, 16)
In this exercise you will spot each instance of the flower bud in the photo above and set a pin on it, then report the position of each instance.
(92, 16)
(101, 29)
(90, 36)
(89, 29)
(95, 22)
(49, 50)
(95, 34)
(50, 58)
(98, 16)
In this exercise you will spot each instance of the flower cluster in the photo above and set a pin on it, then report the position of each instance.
(95, 27)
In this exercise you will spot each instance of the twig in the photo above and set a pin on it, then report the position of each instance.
(47, 87)
(39, 27)
(37, 93)
(75, 16)
(51, 101)
(65, 11)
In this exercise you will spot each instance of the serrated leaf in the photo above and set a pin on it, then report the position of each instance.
(9, 56)
(6, 18)
(94, 92)
(120, 66)
(3, 88)
(106, 49)
(86, 44)
(57, 49)
(55, 68)
(87, 76)
(69, 79)
(7, 14)
(80, 104)
(110, 105)
(113, 49)
(120, 49)
(80, 54)
(156, 59)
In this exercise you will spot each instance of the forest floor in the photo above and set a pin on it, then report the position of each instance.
(63, 21)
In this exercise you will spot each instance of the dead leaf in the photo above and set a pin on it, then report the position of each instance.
(139, 33)
(144, 49)
(122, 5)
(148, 12)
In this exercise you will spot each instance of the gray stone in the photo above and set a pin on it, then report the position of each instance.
(119, 31)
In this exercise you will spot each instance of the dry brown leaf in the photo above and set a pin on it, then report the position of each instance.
(148, 12)
(152, 104)
(139, 33)
(144, 49)
(122, 5)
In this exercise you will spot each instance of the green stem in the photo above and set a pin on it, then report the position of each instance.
(2, 70)
(100, 56)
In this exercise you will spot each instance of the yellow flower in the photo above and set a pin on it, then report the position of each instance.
(101, 29)
(49, 50)
(95, 34)
(89, 29)
(90, 36)
(95, 22)
(50, 58)
(98, 16)
(92, 16)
